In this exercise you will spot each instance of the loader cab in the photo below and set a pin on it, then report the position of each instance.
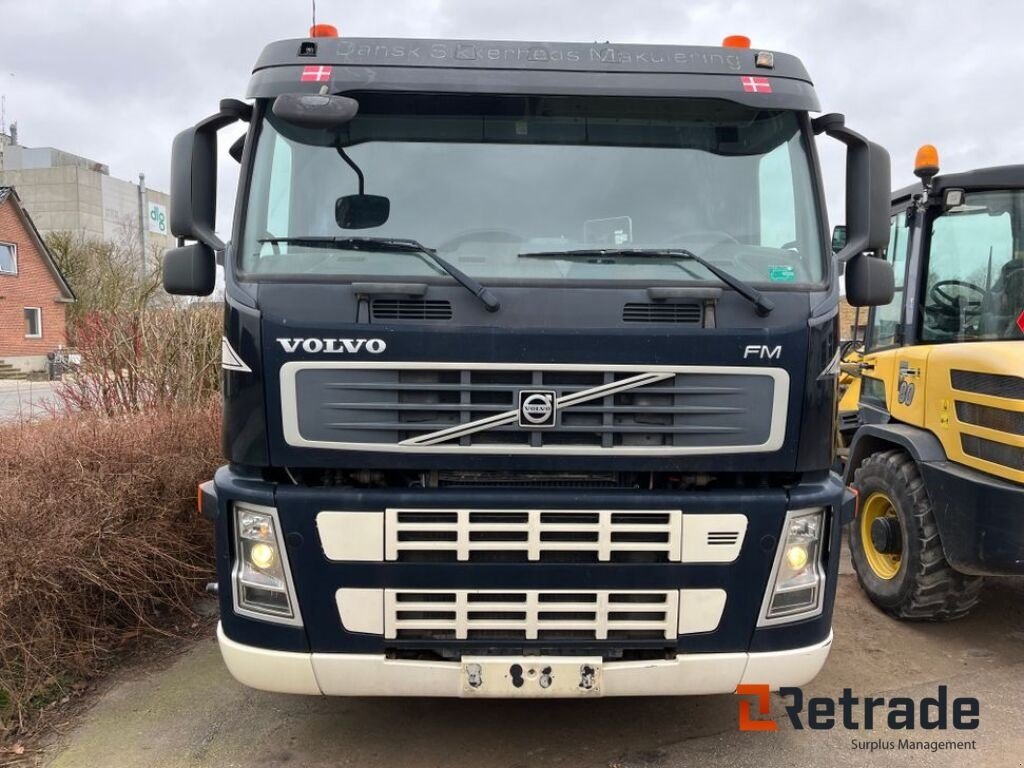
(956, 246)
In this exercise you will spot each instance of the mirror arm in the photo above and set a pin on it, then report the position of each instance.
(354, 167)
(239, 109)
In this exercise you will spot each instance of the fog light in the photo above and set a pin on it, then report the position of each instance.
(796, 557)
(262, 556)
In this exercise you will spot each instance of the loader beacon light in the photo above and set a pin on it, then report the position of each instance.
(926, 162)
(736, 41)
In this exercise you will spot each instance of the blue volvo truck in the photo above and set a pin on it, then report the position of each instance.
(530, 356)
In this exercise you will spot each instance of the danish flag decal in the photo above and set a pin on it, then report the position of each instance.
(320, 75)
(756, 84)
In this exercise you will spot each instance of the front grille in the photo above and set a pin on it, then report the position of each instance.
(988, 417)
(685, 314)
(530, 615)
(997, 453)
(447, 407)
(994, 384)
(418, 535)
(411, 309)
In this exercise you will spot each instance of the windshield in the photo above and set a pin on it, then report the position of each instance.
(484, 180)
(974, 287)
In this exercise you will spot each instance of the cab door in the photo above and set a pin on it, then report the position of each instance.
(885, 329)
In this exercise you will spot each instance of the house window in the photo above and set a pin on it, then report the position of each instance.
(33, 323)
(8, 259)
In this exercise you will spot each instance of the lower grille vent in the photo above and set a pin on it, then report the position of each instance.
(418, 535)
(986, 416)
(530, 615)
(989, 450)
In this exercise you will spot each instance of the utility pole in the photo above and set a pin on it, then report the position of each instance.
(143, 224)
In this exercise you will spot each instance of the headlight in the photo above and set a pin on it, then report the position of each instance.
(797, 583)
(261, 577)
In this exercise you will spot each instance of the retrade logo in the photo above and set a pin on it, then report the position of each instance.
(823, 713)
(764, 707)
(537, 408)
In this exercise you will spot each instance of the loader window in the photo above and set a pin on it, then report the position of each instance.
(974, 282)
(885, 320)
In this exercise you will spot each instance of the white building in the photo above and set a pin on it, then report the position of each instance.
(67, 192)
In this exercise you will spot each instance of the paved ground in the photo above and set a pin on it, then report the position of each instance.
(25, 399)
(191, 713)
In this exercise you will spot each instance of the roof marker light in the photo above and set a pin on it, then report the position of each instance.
(926, 163)
(323, 30)
(765, 60)
(736, 41)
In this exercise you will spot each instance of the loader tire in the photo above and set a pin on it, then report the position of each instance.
(899, 561)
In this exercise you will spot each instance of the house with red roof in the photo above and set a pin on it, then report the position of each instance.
(33, 293)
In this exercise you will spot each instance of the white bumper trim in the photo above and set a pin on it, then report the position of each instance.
(338, 674)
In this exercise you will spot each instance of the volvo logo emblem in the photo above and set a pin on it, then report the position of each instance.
(537, 408)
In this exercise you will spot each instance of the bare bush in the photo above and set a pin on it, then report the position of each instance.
(98, 537)
(140, 348)
(145, 359)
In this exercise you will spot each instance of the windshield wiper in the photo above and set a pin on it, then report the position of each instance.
(744, 289)
(395, 245)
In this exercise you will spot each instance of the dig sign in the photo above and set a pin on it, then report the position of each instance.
(158, 218)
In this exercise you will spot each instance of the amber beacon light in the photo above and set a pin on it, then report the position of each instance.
(926, 163)
(323, 30)
(736, 41)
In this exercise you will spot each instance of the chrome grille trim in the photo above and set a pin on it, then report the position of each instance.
(455, 614)
(533, 533)
(561, 437)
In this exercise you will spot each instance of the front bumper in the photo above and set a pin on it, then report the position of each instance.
(348, 644)
(336, 674)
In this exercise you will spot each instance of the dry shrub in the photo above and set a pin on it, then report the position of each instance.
(146, 358)
(100, 542)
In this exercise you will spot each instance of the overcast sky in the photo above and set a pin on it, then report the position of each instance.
(114, 81)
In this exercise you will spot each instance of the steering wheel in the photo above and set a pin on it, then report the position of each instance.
(482, 235)
(953, 305)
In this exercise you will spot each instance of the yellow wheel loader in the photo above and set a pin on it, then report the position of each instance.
(932, 419)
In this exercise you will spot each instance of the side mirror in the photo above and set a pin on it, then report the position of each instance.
(190, 270)
(870, 281)
(868, 189)
(838, 238)
(194, 175)
(310, 110)
(362, 211)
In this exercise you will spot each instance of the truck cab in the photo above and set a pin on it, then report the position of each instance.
(530, 362)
